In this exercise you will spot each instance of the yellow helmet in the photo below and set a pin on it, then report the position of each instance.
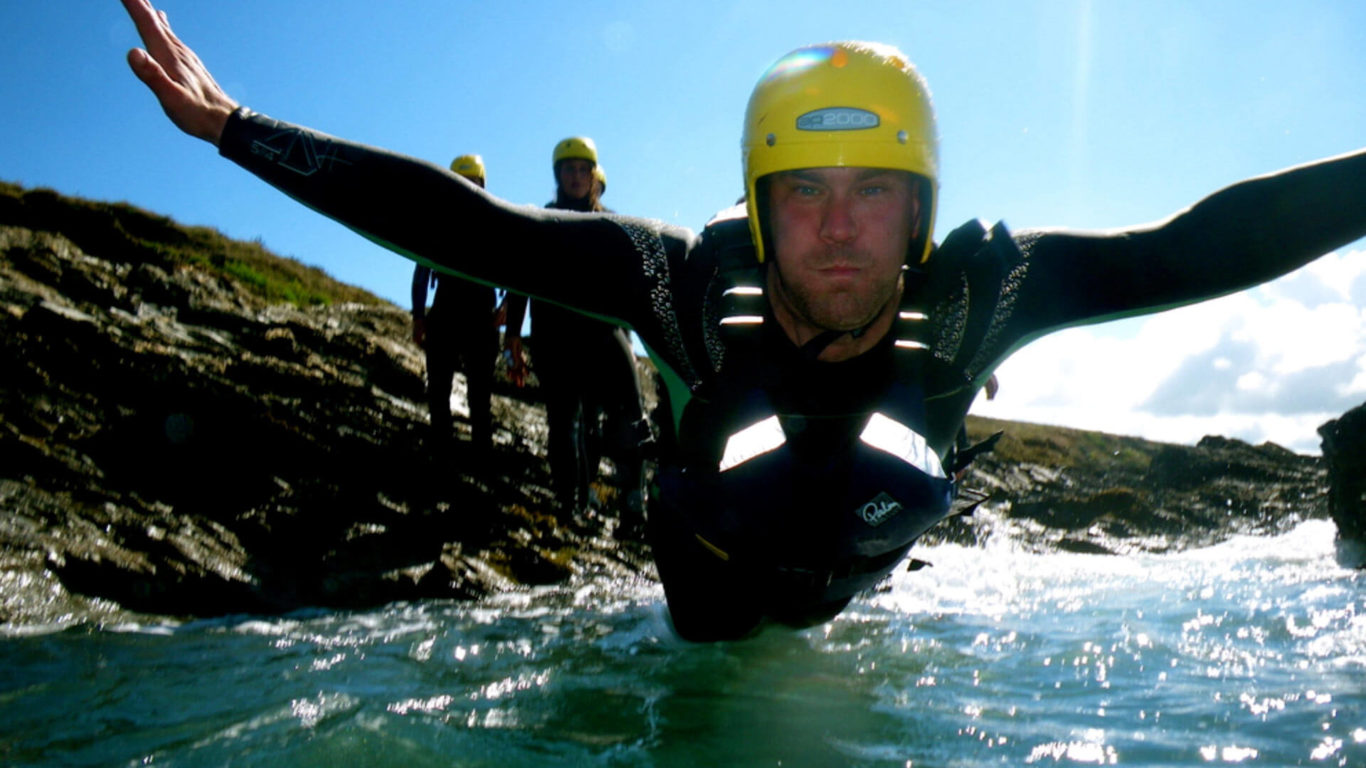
(600, 176)
(576, 148)
(469, 166)
(850, 104)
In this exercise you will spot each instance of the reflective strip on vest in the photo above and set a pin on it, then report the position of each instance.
(752, 441)
(901, 441)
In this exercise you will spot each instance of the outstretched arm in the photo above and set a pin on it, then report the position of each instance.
(610, 267)
(187, 92)
(1238, 237)
(613, 268)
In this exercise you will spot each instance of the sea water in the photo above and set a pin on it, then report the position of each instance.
(1251, 652)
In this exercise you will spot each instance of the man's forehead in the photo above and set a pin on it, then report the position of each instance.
(859, 173)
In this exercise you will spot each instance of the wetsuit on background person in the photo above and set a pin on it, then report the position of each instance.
(586, 367)
(803, 463)
(457, 333)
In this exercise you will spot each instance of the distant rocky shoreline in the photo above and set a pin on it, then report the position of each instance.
(191, 426)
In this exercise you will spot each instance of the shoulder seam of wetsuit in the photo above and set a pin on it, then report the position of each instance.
(654, 266)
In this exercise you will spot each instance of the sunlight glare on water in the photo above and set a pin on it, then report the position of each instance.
(1249, 650)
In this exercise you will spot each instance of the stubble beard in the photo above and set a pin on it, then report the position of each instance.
(844, 310)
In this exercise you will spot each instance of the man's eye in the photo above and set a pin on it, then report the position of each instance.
(806, 191)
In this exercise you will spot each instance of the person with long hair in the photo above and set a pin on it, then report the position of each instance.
(586, 367)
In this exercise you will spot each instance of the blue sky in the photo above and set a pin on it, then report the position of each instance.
(1051, 113)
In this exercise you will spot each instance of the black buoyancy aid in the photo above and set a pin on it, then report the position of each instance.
(789, 465)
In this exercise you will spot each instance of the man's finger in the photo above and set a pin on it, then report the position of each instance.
(147, 70)
(145, 19)
(155, 30)
(155, 77)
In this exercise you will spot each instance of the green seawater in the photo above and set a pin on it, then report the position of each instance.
(1249, 653)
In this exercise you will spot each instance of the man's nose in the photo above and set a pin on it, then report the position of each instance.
(837, 223)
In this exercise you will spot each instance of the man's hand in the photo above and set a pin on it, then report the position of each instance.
(187, 92)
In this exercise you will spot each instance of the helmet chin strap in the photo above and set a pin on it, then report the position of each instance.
(812, 349)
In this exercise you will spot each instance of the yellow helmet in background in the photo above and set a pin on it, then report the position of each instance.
(576, 148)
(600, 176)
(469, 166)
(843, 104)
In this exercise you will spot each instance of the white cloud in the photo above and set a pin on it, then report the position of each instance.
(1272, 363)
(1340, 273)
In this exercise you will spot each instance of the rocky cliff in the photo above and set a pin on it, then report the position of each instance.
(1344, 454)
(190, 425)
(1065, 489)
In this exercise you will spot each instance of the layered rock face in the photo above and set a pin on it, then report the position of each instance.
(172, 442)
(1091, 492)
(1344, 454)
(192, 426)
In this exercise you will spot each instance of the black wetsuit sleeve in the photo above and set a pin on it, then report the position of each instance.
(605, 266)
(1236, 238)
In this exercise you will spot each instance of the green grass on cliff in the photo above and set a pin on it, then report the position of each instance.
(1063, 447)
(122, 232)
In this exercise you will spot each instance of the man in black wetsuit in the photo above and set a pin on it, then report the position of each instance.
(586, 367)
(457, 333)
(819, 350)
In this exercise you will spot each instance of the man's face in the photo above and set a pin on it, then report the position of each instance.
(575, 177)
(839, 239)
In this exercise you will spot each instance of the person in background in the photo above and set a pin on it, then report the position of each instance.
(586, 367)
(599, 181)
(457, 333)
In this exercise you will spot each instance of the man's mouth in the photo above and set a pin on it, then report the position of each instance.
(839, 270)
